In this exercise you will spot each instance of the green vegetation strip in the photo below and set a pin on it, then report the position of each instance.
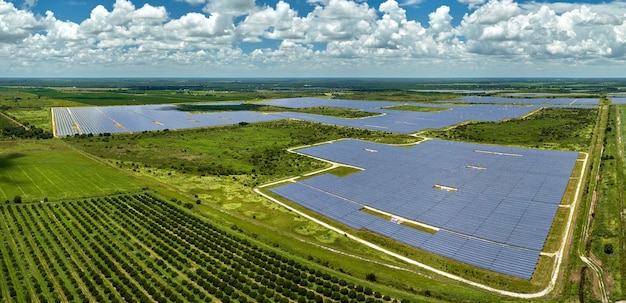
(257, 149)
(607, 229)
(552, 128)
(316, 110)
(140, 248)
(115, 96)
(415, 108)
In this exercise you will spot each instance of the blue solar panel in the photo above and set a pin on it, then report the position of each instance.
(116, 119)
(510, 203)
(543, 101)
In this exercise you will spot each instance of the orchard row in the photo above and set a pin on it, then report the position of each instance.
(140, 248)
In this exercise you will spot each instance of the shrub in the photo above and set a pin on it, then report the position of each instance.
(608, 248)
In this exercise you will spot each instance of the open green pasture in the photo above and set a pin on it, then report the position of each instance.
(316, 110)
(40, 169)
(551, 128)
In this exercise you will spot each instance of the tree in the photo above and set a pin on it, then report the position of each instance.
(17, 199)
(371, 277)
(608, 248)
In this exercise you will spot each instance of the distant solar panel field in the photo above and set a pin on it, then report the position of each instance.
(539, 101)
(70, 121)
(126, 119)
(490, 206)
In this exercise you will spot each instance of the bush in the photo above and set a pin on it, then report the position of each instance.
(371, 277)
(608, 248)
(17, 199)
(188, 205)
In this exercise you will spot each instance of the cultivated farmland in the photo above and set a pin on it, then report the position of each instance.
(139, 248)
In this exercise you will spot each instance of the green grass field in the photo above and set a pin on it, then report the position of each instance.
(5, 121)
(35, 170)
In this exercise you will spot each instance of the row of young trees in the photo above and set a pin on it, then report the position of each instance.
(140, 248)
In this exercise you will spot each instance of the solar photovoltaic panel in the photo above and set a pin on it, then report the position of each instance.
(510, 202)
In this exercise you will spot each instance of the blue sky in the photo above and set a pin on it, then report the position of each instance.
(312, 38)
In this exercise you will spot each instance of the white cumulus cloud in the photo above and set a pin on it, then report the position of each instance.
(337, 37)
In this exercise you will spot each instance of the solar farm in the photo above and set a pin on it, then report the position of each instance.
(489, 206)
(70, 121)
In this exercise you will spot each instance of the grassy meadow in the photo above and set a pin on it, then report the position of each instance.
(257, 149)
(550, 128)
(35, 170)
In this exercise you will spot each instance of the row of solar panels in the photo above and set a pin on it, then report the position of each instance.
(543, 101)
(121, 119)
(369, 105)
(510, 202)
(475, 215)
(411, 193)
(408, 121)
(509, 260)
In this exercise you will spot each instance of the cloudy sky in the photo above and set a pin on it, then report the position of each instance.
(312, 38)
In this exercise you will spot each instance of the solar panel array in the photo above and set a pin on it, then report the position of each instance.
(497, 214)
(542, 101)
(122, 119)
(315, 102)
(618, 100)
(399, 121)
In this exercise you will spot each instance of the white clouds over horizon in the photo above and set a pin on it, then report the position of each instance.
(336, 38)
